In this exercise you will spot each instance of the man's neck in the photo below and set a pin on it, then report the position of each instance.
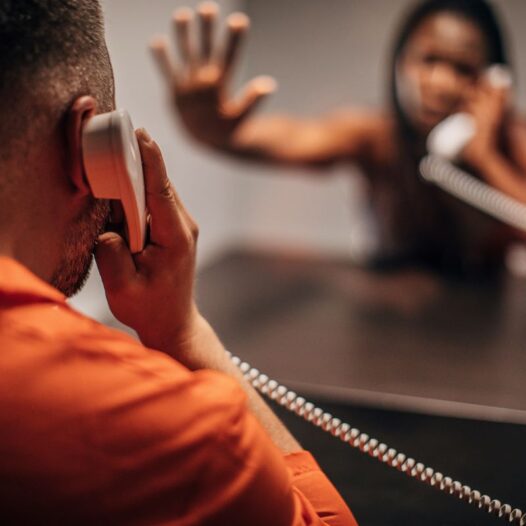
(21, 248)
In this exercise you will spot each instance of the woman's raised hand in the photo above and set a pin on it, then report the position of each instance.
(199, 81)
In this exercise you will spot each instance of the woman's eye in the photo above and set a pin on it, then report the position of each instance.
(430, 59)
(465, 70)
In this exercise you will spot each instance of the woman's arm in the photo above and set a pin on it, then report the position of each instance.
(199, 89)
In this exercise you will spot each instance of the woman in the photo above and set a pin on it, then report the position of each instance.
(440, 56)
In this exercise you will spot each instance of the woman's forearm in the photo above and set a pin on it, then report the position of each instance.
(498, 171)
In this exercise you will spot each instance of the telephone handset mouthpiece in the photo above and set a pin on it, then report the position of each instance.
(113, 166)
(448, 138)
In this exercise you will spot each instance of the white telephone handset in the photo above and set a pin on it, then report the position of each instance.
(113, 166)
(451, 136)
(445, 144)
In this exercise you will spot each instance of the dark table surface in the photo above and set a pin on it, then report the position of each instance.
(400, 355)
(402, 339)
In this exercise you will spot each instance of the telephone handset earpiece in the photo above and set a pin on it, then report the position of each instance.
(113, 166)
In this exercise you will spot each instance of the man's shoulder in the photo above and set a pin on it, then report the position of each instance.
(59, 365)
(89, 403)
(40, 322)
(52, 344)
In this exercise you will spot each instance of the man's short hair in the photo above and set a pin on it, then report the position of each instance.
(51, 51)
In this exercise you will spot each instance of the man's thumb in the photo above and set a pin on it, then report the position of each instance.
(115, 262)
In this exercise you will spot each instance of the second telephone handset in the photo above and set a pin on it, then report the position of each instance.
(445, 144)
(113, 167)
(452, 135)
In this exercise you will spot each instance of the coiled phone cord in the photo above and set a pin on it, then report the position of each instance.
(382, 452)
(443, 173)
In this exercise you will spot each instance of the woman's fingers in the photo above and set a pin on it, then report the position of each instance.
(251, 97)
(237, 27)
(195, 61)
(160, 48)
(182, 23)
(208, 13)
(499, 77)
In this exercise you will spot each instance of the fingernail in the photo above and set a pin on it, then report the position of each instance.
(499, 76)
(158, 42)
(208, 9)
(238, 21)
(182, 15)
(265, 84)
(145, 135)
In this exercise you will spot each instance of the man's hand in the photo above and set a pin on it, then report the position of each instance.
(200, 84)
(152, 292)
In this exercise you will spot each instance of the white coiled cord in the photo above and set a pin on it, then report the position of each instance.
(452, 179)
(382, 452)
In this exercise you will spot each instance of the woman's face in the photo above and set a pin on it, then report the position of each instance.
(438, 68)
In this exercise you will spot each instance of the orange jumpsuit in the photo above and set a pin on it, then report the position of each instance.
(97, 429)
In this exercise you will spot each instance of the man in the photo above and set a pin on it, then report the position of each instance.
(96, 427)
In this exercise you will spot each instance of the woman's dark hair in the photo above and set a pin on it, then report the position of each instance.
(478, 12)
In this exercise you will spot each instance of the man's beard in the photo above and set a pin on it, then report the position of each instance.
(81, 238)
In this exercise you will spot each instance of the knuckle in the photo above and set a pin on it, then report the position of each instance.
(190, 234)
(154, 147)
(194, 229)
(189, 241)
(166, 190)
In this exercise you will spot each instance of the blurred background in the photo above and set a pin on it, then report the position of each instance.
(324, 55)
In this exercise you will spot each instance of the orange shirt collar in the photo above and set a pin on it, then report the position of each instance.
(15, 279)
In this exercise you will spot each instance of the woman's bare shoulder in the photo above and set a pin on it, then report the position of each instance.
(378, 129)
(364, 130)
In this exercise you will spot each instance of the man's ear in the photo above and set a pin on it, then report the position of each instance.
(82, 109)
